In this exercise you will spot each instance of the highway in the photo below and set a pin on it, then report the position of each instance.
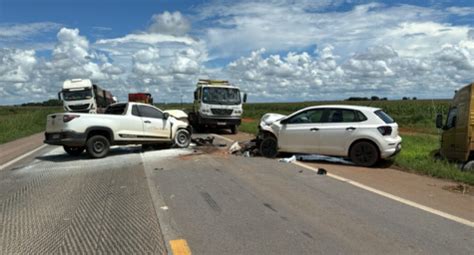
(136, 202)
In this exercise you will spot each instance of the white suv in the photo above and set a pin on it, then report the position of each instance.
(363, 134)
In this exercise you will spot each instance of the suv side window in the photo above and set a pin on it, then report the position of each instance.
(309, 116)
(452, 116)
(150, 112)
(343, 115)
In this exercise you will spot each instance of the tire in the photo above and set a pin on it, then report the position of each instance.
(74, 151)
(364, 153)
(469, 166)
(182, 138)
(98, 146)
(234, 129)
(269, 147)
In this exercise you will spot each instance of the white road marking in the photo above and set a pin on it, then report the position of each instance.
(393, 197)
(2, 167)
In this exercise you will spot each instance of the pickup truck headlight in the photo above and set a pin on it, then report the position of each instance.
(205, 110)
(238, 111)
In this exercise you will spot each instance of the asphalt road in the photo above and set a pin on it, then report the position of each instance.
(133, 202)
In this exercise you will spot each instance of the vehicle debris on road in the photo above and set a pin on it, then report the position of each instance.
(247, 148)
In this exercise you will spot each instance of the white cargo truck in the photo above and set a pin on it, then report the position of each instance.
(80, 95)
(217, 104)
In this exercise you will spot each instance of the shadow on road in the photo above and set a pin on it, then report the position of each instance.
(113, 153)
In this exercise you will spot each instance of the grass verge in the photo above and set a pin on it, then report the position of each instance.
(17, 122)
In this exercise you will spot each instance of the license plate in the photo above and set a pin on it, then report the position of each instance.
(221, 123)
(56, 136)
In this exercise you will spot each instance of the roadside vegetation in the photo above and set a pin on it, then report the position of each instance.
(20, 121)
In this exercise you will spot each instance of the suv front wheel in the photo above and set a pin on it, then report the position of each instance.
(364, 153)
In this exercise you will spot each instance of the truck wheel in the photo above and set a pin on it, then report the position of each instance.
(74, 151)
(182, 139)
(98, 146)
(269, 147)
(234, 129)
(364, 153)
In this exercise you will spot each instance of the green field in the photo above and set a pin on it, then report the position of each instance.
(19, 121)
(415, 118)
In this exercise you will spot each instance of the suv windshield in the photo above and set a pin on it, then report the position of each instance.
(385, 117)
(77, 95)
(220, 96)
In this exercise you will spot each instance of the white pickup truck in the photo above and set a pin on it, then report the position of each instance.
(121, 124)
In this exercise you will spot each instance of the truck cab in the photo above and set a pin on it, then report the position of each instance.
(217, 104)
(80, 95)
(457, 141)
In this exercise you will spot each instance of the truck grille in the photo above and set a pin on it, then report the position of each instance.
(221, 111)
(80, 107)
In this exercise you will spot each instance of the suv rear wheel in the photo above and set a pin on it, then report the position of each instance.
(74, 151)
(364, 153)
(98, 146)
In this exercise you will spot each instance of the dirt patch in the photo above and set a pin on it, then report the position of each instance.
(414, 131)
(460, 188)
(248, 120)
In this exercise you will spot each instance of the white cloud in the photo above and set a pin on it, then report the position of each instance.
(16, 66)
(461, 11)
(169, 23)
(23, 31)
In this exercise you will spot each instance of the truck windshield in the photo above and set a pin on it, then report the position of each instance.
(77, 95)
(227, 96)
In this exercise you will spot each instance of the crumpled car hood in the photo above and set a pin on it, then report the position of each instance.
(269, 118)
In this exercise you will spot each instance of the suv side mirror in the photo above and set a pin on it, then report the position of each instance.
(195, 95)
(284, 121)
(245, 98)
(166, 115)
(59, 96)
(439, 121)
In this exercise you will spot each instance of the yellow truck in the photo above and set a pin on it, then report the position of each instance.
(457, 137)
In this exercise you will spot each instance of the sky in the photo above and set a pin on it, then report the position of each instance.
(274, 50)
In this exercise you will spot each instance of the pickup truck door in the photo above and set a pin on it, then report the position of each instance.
(154, 125)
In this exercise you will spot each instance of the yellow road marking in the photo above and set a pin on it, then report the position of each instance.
(180, 247)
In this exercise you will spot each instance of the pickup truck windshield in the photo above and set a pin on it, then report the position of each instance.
(227, 96)
(77, 95)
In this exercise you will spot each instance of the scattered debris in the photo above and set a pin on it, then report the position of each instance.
(247, 149)
(288, 160)
(460, 188)
(316, 157)
(234, 148)
(203, 141)
(164, 208)
(322, 171)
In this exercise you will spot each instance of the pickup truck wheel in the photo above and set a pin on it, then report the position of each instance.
(269, 147)
(98, 146)
(74, 151)
(182, 139)
(364, 153)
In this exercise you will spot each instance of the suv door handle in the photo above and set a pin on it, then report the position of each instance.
(314, 129)
(350, 128)
(147, 121)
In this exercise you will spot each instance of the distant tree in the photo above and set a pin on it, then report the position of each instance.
(357, 99)
(375, 98)
(405, 98)
(414, 98)
(384, 99)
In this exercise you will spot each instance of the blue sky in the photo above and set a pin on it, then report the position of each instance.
(276, 50)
